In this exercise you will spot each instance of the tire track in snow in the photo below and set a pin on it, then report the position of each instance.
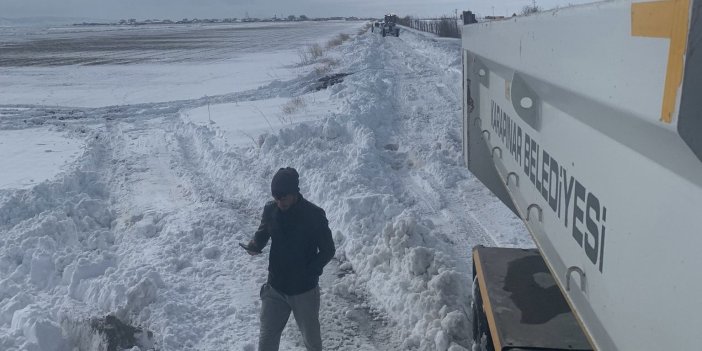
(427, 122)
(424, 125)
(188, 237)
(346, 324)
(64, 228)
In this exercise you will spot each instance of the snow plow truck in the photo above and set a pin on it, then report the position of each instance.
(587, 122)
(388, 26)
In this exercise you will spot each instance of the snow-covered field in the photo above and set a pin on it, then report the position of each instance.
(133, 166)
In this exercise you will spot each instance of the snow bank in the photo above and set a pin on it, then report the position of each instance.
(243, 122)
(389, 251)
(415, 283)
(57, 242)
(141, 233)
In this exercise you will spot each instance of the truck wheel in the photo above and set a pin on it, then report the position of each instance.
(397, 32)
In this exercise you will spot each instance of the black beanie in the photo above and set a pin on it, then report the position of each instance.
(285, 181)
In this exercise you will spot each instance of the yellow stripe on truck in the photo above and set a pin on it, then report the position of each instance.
(665, 19)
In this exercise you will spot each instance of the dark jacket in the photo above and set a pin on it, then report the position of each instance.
(301, 245)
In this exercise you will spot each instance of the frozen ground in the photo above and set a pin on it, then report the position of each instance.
(32, 156)
(118, 65)
(142, 224)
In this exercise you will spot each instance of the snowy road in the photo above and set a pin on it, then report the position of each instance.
(145, 224)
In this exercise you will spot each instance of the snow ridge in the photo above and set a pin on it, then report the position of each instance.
(144, 226)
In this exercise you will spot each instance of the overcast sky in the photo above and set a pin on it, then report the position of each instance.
(177, 9)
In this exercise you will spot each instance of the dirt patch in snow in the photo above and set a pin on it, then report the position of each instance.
(327, 81)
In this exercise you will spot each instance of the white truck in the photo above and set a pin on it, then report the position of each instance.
(587, 122)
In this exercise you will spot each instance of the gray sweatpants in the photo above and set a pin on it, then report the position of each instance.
(275, 311)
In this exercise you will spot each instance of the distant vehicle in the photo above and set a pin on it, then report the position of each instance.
(391, 18)
(388, 26)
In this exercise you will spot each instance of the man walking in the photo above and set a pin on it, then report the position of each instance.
(301, 245)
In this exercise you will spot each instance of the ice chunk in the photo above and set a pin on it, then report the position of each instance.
(143, 294)
(41, 272)
(420, 259)
(38, 330)
(441, 341)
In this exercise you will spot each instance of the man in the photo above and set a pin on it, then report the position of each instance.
(301, 245)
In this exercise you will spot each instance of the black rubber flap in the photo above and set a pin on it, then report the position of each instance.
(690, 116)
(529, 308)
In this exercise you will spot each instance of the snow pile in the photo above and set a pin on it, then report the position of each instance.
(58, 242)
(40, 332)
(416, 284)
(392, 253)
(136, 247)
(243, 123)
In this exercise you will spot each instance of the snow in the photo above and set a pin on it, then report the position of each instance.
(32, 156)
(148, 67)
(118, 85)
(242, 122)
(157, 172)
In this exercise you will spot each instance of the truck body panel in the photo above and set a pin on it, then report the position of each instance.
(587, 115)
